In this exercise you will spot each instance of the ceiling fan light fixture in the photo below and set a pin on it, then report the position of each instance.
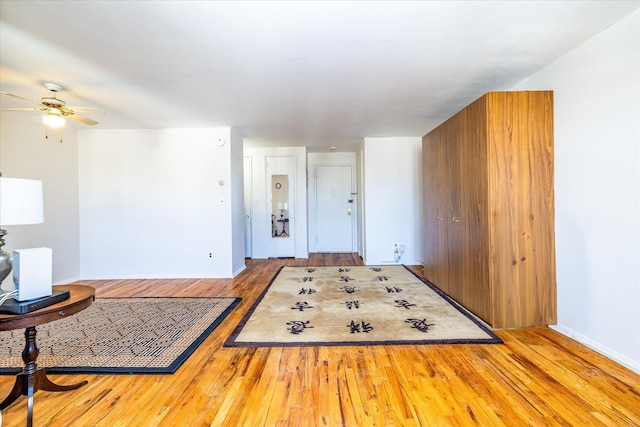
(53, 120)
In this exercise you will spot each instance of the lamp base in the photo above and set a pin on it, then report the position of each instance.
(5, 258)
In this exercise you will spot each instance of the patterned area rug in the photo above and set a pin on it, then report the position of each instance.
(121, 336)
(355, 306)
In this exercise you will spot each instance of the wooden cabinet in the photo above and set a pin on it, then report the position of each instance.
(489, 208)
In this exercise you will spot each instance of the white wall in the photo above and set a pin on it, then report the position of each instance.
(316, 159)
(261, 208)
(152, 206)
(597, 189)
(237, 203)
(392, 199)
(25, 153)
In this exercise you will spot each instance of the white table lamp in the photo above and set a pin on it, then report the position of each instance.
(20, 204)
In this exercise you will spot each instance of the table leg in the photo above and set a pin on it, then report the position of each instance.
(15, 393)
(44, 383)
(26, 386)
(31, 388)
(32, 378)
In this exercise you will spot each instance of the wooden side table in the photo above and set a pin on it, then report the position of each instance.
(32, 378)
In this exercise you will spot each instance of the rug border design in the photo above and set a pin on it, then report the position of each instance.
(493, 338)
(169, 369)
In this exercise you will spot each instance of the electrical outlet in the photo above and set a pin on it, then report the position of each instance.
(398, 250)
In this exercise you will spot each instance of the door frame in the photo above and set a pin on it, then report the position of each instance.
(279, 247)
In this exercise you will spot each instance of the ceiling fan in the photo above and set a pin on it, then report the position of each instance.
(55, 108)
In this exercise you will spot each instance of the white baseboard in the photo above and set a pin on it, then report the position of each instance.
(623, 360)
(66, 281)
(240, 270)
(148, 277)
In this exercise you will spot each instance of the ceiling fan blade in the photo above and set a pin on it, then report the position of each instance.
(86, 109)
(25, 109)
(81, 119)
(19, 97)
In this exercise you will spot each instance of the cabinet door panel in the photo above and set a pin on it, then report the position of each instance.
(474, 233)
(431, 185)
(521, 188)
(450, 202)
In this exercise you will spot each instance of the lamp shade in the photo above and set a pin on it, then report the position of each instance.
(20, 201)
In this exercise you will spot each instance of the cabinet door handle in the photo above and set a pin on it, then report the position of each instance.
(455, 219)
(439, 218)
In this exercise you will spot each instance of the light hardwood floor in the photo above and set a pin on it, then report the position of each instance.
(537, 378)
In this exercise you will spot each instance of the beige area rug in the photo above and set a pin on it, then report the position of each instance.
(355, 305)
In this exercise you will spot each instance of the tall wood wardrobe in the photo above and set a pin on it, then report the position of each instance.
(489, 208)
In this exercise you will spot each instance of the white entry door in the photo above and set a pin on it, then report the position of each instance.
(334, 208)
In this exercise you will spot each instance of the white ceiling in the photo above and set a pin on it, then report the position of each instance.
(288, 73)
